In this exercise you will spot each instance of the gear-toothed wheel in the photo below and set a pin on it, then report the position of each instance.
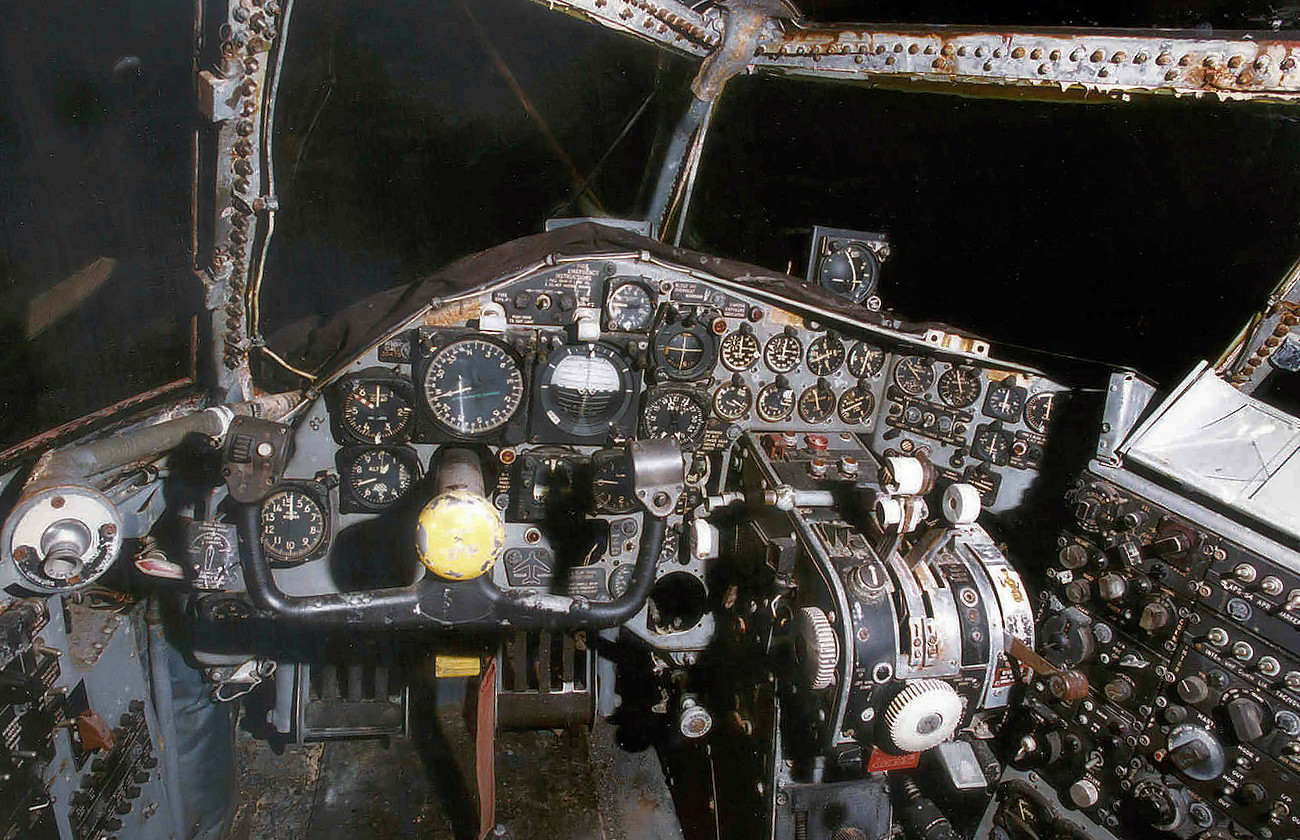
(819, 650)
(924, 714)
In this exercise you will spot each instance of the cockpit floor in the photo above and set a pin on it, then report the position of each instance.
(551, 783)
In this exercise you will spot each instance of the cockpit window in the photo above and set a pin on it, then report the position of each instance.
(1139, 233)
(408, 139)
(97, 292)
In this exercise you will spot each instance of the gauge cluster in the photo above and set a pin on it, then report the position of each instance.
(549, 374)
(976, 424)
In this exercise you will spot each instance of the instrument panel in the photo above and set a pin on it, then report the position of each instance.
(551, 373)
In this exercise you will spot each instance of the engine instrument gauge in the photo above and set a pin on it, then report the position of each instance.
(825, 356)
(914, 375)
(611, 480)
(675, 413)
(740, 350)
(856, 404)
(732, 401)
(375, 412)
(775, 401)
(1038, 411)
(866, 360)
(294, 525)
(817, 403)
(630, 307)
(960, 386)
(377, 479)
(783, 352)
(684, 351)
(1005, 400)
(473, 386)
(585, 389)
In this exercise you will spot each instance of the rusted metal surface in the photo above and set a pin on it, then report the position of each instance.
(1114, 62)
(664, 22)
(1106, 62)
(1249, 359)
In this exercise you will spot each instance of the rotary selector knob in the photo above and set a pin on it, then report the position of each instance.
(924, 714)
(819, 649)
(1196, 753)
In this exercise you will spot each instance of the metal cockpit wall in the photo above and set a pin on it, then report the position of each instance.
(240, 46)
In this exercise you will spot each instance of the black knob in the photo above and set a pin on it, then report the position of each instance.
(1172, 544)
(1078, 591)
(1192, 689)
(1189, 754)
(1129, 520)
(1155, 805)
(1111, 587)
(1247, 719)
(1251, 793)
(1174, 714)
(1073, 556)
(1156, 615)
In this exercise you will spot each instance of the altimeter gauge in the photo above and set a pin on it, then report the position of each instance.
(377, 479)
(473, 386)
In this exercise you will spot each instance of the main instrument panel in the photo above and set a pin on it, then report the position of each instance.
(548, 372)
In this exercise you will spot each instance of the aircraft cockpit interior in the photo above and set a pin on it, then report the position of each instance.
(652, 420)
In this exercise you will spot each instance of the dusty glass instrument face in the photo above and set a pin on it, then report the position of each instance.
(960, 386)
(293, 525)
(783, 353)
(630, 307)
(740, 350)
(856, 405)
(775, 402)
(914, 375)
(825, 356)
(732, 401)
(473, 386)
(866, 360)
(376, 413)
(817, 403)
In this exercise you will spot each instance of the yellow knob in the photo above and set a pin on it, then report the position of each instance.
(459, 535)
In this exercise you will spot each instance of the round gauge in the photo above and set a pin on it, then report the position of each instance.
(585, 388)
(825, 356)
(783, 353)
(732, 401)
(473, 386)
(914, 375)
(960, 386)
(684, 351)
(293, 525)
(375, 412)
(739, 350)
(817, 404)
(775, 401)
(856, 404)
(1038, 411)
(849, 270)
(677, 414)
(866, 360)
(377, 478)
(611, 480)
(630, 307)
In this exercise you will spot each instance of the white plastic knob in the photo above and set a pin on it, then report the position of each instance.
(908, 475)
(961, 504)
(889, 511)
